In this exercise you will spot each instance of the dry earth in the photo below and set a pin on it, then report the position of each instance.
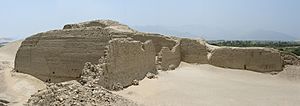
(188, 85)
(15, 87)
(206, 85)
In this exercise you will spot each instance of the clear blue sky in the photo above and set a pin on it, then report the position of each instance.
(22, 18)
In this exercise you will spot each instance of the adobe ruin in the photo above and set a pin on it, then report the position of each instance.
(127, 54)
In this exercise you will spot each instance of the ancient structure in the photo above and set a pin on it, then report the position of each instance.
(128, 61)
(59, 55)
(290, 58)
(194, 51)
(127, 55)
(256, 59)
(168, 58)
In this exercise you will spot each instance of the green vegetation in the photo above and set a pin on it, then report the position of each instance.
(296, 51)
(287, 46)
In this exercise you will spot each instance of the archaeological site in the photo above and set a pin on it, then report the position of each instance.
(83, 63)
(126, 55)
(150, 53)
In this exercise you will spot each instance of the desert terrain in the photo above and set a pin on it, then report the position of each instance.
(187, 85)
(149, 53)
(206, 85)
(15, 87)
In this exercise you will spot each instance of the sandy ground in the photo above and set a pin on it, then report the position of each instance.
(15, 87)
(188, 85)
(206, 85)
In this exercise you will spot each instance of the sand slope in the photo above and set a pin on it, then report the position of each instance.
(206, 85)
(15, 87)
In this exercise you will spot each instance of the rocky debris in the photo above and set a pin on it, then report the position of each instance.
(91, 73)
(4, 102)
(158, 67)
(290, 58)
(151, 75)
(84, 92)
(135, 82)
(72, 93)
(171, 67)
(117, 87)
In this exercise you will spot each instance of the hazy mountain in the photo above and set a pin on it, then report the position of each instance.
(215, 33)
(4, 40)
(268, 35)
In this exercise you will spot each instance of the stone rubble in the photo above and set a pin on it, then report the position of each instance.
(4, 102)
(290, 59)
(86, 92)
(151, 75)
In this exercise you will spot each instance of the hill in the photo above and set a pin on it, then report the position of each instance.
(215, 33)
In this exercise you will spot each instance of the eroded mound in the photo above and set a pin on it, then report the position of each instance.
(86, 93)
(290, 59)
(72, 93)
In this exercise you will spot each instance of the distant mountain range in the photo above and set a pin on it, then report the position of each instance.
(4, 40)
(209, 33)
(268, 35)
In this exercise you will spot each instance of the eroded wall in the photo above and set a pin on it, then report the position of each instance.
(128, 61)
(158, 40)
(193, 51)
(59, 55)
(169, 58)
(256, 59)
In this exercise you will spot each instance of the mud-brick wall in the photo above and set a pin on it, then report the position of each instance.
(256, 59)
(60, 55)
(193, 51)
(169, 58)
(128, 61)
(158, 40)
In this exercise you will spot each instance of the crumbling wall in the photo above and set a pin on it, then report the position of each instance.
(193, 51)
(290, 58)
(169, 59)
(107, 24)
(128, 61)
(256, 59)
(158, 40)
(59, 55)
